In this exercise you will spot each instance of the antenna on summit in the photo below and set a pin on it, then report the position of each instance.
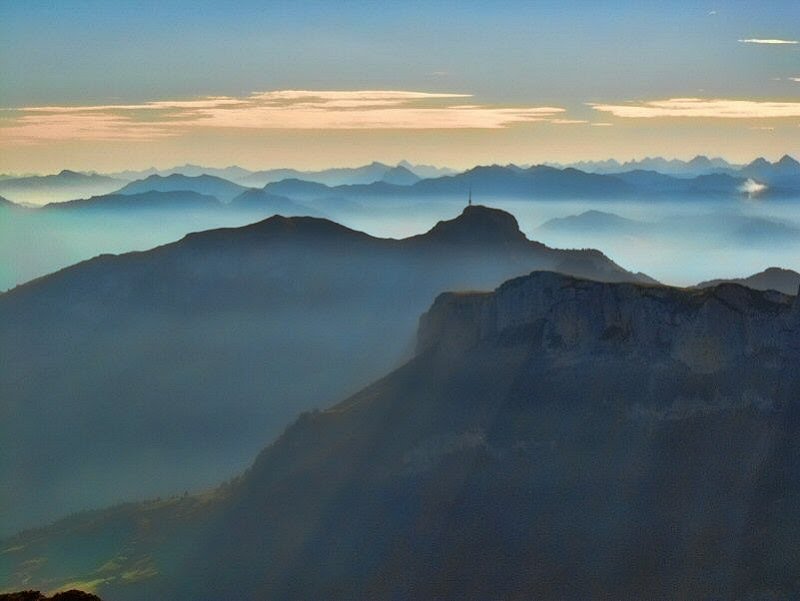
(469, 199)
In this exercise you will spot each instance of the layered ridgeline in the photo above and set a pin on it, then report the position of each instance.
(155, 372)
(556, 439)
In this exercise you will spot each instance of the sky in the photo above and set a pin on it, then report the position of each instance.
(105, 85)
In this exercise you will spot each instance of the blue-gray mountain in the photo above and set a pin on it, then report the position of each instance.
(220, 188)
(774, 278)
(66, 185)
(160, 371)
(556, 439)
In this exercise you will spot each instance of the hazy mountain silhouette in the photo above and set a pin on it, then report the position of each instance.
(66, 185)
(699, 165)
(4, 202)
(730, 228)
(366, 174)
(595, 222)
(426, 171)
(139, 201)
(172, 366)
(271, 204)
(555, 439)
(539, 182)
(401, 176)
(222, 189)
(784, 173)
(706, 185)
(773, 278)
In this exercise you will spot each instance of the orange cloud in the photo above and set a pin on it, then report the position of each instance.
(280, 109)
(701, 107)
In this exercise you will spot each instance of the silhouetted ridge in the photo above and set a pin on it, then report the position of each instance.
(478, 225)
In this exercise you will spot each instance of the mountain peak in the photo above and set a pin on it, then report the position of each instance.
(787, 161)
(480, 225)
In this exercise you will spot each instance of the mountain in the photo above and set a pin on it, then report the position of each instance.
(136, 201)
(366, 174)
(400, 176)
(493, 181)
(555, 439)
(66, 185)
(427, 171)
(538, 182)
(784, 173)
(594, 222)
(173, 366)
(722, 227)
(270, 204)
(209, 185)
(774, 278)
(232, 173)
(718, 184)
(5, 203)
(699, 165)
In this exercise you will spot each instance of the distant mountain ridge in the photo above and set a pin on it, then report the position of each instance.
(210, 185)
(66, 185)
(773, 278)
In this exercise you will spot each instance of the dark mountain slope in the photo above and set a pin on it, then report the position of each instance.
(173, 366)
(555, 439)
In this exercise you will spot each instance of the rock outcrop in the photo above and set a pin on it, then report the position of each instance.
(706, 330)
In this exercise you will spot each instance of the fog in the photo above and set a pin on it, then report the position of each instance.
(149, 375)
(685, 241)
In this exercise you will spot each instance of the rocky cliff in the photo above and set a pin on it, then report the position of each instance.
(705, 330)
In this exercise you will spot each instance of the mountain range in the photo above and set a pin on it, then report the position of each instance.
(701, 177)
(760, 168)
(557, 438)
(172, 366)
(210, 185)
(726, 227)
(66, 185)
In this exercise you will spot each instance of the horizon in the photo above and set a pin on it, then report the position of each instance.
(127, 86)
(558, 165)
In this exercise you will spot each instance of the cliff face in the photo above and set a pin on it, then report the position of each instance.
(705, 330)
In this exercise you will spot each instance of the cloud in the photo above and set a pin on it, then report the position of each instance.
(83, 126)
(274, 109)
(795, 79)
(703, 107)
(767, 41)
(601, 124)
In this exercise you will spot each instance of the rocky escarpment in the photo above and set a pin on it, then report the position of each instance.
(705, 330)
(555, 439)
